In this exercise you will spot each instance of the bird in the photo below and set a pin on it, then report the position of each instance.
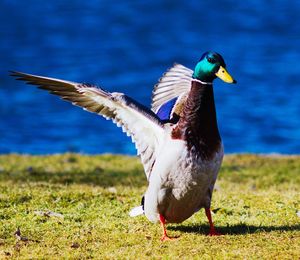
(177, 140)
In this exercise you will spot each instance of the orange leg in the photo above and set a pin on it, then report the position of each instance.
(212, 230)
(162, 220)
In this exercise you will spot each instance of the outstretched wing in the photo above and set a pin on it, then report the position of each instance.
(137, 121)
(174, 83)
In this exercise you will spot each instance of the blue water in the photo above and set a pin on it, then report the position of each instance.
(125, 46)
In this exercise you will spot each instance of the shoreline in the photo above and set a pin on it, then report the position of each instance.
(272, 154)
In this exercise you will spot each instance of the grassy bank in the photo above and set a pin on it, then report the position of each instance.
(76, 206)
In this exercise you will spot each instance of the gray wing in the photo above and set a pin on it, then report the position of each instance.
(175, 82)
(137, 121)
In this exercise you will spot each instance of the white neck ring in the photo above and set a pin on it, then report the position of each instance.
(202, 82)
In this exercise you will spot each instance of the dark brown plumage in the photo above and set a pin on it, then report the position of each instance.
(198, 122)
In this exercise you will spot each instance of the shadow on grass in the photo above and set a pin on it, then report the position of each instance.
(104, 178)
(103, 170)
(239, 229)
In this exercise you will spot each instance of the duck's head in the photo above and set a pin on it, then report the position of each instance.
(210, 66)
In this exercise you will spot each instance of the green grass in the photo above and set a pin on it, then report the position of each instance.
(255, 206)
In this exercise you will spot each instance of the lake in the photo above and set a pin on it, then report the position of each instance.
(126, 46)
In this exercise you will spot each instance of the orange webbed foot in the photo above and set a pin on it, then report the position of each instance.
(212, 230)
(167, 238)
(164, 237)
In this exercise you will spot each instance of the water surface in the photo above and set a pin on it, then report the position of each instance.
(126, 46)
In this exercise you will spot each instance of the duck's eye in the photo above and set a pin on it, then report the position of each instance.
(210, 60)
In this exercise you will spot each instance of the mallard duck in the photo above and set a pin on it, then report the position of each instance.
(178, 140)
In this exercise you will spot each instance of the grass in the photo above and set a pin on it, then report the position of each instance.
(255, 206)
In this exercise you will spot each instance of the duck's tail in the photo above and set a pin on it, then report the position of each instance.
(136, 211)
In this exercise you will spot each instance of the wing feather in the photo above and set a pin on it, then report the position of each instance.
(137, 121)
(175, 82)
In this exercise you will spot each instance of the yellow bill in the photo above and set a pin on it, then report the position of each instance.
(224, 75)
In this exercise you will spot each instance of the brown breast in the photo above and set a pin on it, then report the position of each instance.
(198, 122)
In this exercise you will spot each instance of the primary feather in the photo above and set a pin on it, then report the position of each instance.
(137, 121)
(174, 83)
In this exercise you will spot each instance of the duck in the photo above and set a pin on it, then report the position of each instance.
(177, 140)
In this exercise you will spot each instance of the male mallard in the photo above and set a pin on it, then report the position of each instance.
(178, 140)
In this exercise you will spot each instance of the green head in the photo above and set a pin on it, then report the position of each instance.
(210, 66)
